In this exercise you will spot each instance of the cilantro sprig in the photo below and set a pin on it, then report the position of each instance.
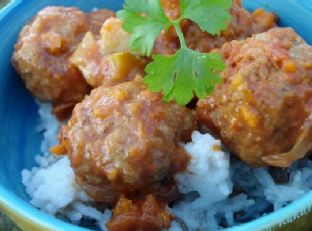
(187, 73)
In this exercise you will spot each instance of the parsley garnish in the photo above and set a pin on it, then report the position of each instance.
(188, 72)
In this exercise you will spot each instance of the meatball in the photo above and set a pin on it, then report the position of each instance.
(243, 25)
(42, 52)
(125, 140)
(145, 215)
(262, 110)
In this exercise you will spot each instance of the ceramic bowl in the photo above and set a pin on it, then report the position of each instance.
(19, 141)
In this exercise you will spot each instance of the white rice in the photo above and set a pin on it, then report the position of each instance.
(52, 186)
(218, 191)
(208, 176)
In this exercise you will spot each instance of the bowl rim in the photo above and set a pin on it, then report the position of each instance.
(10, 201)
(7, 8)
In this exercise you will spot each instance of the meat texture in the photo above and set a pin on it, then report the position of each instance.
(148, 214)
(43, 49)
(262, 110)
(125, 140)
(243, 25)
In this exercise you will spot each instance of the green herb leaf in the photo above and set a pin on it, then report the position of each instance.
(188, 73)
(212, 16)
(144, 20)
(183, 75)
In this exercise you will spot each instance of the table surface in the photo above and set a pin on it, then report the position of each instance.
(3, 3)
(5, 223)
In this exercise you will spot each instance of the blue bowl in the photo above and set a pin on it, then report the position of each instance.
(19, 141)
